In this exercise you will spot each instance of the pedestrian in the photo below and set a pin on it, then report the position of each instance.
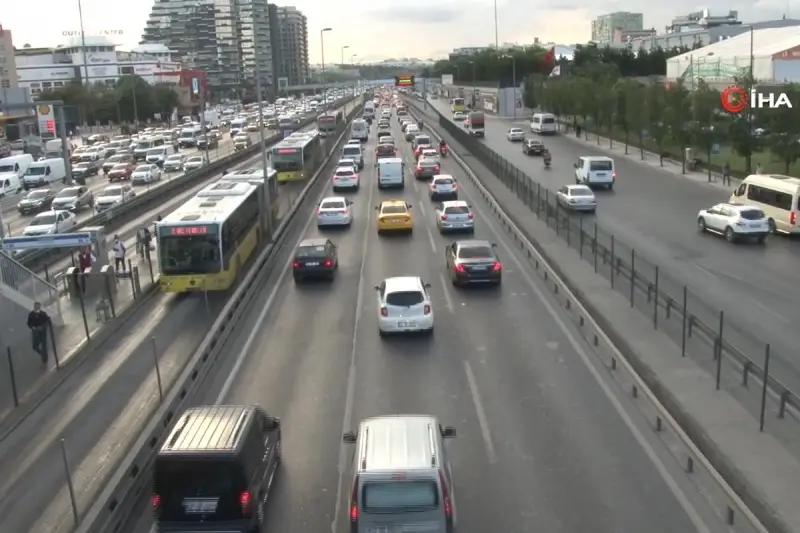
(38, 323)
(147, 243)
(140, 241)
(85, 261)
(726, 173)
(119, 254)
(759, 170)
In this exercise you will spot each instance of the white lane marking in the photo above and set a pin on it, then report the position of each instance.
(351, 375)
(673, 486)
(448, 300)
(482, 420)
(416, 184)
(422, 208)
(431, 239)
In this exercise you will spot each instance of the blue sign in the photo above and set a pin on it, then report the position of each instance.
(195, 86)
(63, 240)
(715, 148)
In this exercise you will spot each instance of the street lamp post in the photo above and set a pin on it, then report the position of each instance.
(324, 84)
(268, 224)
(496, 38)
(345, 47)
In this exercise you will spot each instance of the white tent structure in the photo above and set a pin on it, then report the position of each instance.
(775, 56)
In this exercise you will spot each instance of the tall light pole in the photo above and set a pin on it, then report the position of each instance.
(322, 47)
(345, 47)
(83, 51)
(266, 203)
(513, 78)
(496, 39)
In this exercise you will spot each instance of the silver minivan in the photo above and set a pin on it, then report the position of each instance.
(402, 478)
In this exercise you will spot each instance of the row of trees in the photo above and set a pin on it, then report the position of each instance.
(493, 66)
(669, 117)
(129, 100)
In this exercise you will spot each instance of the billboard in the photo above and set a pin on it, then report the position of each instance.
(447, 79)
(46, 118)
(406, 80)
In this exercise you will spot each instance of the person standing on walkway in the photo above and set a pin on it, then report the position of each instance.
(85, 260)
(726, 173)
(119, 254)
(38, 323)
(140, 241)
(759, 170)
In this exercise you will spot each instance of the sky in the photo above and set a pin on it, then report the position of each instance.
(376, 30)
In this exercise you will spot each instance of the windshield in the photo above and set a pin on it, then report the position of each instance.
(67, 193)
(82, 165)
(423, 139)
(141, 145)
(176, 157)
(6, 168)
(311, 251)
(602, 166)
(156, 151)
(333, 204)
(399, 496)
(430, 163)
(394, 210)
(443, 181)
(195, 160)
(112, 191)
(458, 101)
(344, 172)
(190, 254)
(36, 171)
(143, 168)
(456, 210)
(580, 192)
(121, 166)
(475, 252)
(187, 134)
(352, 150)
(548, 120)
(44, 219)
(241, 138)
(36, 195)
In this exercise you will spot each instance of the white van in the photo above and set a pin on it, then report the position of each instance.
(544, 124)
(775, 194)
(12, 169)
(43, 172)
(354, 152)
(391, 172)
(595, 171)
(359, 130)
(157, 156)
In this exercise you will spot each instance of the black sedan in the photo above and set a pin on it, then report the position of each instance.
(532, 147)
(36, 201)
(472, 262)
(315, 259)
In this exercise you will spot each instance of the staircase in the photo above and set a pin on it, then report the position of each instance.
(19, 289)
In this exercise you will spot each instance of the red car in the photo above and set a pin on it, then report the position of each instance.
(121, 171)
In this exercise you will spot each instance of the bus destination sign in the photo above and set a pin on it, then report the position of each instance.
(183, 231)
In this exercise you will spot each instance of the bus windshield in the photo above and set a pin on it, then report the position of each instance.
(190, 254)
(284, 159)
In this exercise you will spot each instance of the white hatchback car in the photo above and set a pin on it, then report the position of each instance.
(455, 215)
(515, 135)
(334, 211)
(404, 306)
(734, 222)
(345, 178)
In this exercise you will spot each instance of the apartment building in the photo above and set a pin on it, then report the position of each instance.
(603, 27)
(8, 64)
(294, 45)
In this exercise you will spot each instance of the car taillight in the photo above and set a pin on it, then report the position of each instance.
(246, 502)
(344, 212)
(384, 311)
(792, 218)
(459, 268)
(419, 168)
(319, 211)
(614, 175)
(296, 264)
(470, 216)
(155, 500)
(436, 169)
(444, 217)
(497, 266)
(427, 309)
(354, 501)
(327, 263)
(446, 502)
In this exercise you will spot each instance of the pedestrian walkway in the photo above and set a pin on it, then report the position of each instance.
(79, 322)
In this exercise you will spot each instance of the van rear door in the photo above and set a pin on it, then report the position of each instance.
(392, 504)
(199, 490)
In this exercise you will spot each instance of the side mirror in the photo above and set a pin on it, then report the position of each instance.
(349, 437)
(427, 285)
(377, 207)
(275, 422)
(408, 206)
(448, 432)
(376, 287)
(494, 245)
(575, 165)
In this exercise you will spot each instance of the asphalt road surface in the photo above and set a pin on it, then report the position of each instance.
(655, 212)
(544, 443)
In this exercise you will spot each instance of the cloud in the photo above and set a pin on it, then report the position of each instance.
(423, 15)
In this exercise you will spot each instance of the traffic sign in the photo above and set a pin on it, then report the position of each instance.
(715, 148)
(61, 240)
(406, 80)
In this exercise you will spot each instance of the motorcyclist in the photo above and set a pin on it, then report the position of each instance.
(224, 172)
(547, 157)
(419, 125)
(442, 147)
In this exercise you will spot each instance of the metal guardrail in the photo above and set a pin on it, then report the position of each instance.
(121, 494)
(19, 278)
(662, 413)
(127, 211)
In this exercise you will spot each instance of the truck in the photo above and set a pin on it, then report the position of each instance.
(211, 119)
(475, 123)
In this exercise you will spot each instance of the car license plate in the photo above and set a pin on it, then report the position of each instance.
(406, 324)
(601, 175)
(481, 268)
(459, 225)
(397, 220)
(312, 264)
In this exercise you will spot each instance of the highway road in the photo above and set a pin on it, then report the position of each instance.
(655, 212)
(102, 405)
(544, 443)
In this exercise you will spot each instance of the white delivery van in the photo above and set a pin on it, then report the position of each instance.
(391, 172)
(359, 130)
(595, 171)
(12, 169)
(354, 152)
(543, 124)
(157, 156)
(775, 194)
(43, 172)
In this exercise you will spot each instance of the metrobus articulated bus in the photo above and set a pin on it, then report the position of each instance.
(255, 176)
(293, 158)
(205, 243)
(457, 104)
(328, 122)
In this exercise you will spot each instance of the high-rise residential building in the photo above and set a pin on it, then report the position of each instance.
(294, 45)
(256, 36)
(603, 26)
(8, 65)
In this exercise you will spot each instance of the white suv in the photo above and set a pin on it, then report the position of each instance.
(404, 306)
(734, 222)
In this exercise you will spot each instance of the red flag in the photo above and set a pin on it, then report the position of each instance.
(549, 60)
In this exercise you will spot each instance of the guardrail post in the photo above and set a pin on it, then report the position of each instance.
(655, 302)
(765, 380)
(580, 239)
(594, 247)
(558, 221)
(12, 376)
(136, 282)
(130, 273)
(539, 200)
(547, 207)
(633, 276)
(569, 229)
(683, 320)
(158, 370)
(52, 336)
(83, 315)
(613, 256)
(719, 349)
(46, 273)
(70, 486)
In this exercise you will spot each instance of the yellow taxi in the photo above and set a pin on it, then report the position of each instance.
(394, 215)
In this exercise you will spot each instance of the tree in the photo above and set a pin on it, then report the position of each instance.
(655, 99)
(677, 113)
(783, 127)
(636, 112)
(706, 127)
(622, 93)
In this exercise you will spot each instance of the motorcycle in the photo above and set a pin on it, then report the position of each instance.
(443, 151)
(547, 160)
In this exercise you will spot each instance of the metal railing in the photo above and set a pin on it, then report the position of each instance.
(17, 277)
(701, 331)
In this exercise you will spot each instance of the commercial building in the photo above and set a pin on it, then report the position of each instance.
(774, 53)
(603, 27)
(94, 59)
(703, 28)
(8, 65)
(294, 45)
